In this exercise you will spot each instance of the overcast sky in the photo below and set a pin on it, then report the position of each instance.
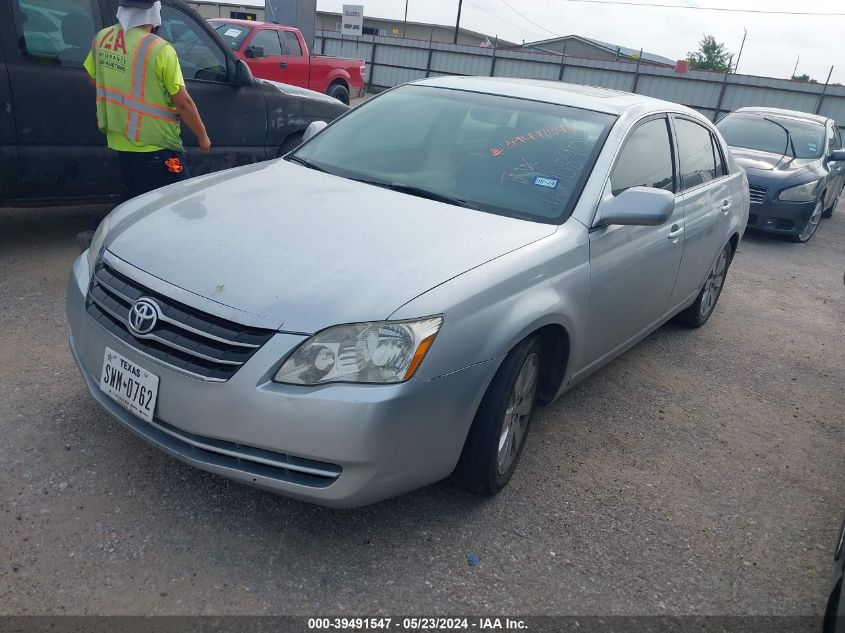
(773, 44)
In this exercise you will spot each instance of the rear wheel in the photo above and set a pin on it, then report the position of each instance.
(497, 436)
(699, 312)
(339, 92)
(809, 229)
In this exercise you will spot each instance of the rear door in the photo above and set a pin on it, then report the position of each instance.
(837, 169)
(710, 195)
(61, 152)
(298, 70)
(263, 52)
(234, 116)
(633, 268)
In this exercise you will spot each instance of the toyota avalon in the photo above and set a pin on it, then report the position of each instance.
(384, 306)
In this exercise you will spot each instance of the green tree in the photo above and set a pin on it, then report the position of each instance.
(711, 55)
(804, 77)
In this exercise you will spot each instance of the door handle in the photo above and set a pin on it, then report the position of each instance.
(675, 231)
(283, 65)
(727, 204)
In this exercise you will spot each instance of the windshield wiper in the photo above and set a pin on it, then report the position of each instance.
(789, 142)
(422, 192)
(307, 163)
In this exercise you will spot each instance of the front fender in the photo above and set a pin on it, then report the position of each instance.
(488, 310)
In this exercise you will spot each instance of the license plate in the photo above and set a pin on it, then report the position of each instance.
(131, 386)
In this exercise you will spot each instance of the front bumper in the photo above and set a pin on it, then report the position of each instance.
(340, 445)
(782, 218)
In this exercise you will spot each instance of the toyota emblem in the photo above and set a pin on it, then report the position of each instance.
(143, 316)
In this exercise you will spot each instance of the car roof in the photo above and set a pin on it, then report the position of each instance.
(250, 23)
(792, 114)
(557, 92)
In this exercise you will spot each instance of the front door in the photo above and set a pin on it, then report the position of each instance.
(234, 116)
(633, 268)
(264, 55)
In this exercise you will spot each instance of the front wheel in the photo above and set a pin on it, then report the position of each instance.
(809, 229)
(829, 211)
(699, 312)
(497, 436)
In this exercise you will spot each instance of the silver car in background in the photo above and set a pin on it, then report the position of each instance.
(385, 305)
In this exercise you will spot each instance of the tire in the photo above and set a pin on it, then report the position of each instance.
(290, 143)
(497, 435)
(339, 92)
(812, 224)
(699, 312)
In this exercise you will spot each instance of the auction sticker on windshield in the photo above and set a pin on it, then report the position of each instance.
(131, 386)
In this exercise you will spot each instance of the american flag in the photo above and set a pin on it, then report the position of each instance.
(486, 43)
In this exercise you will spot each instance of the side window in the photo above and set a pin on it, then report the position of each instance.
(292, 46)
(269, 41)
(695, 153)
(56, 32)
(721, 168)
(645, 160)
(199, 55)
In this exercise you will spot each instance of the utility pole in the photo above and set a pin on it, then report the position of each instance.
(741, 46)
(458, 23)
(405, 23)
(795, 70)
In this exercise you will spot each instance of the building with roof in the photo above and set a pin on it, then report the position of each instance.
(588, 48)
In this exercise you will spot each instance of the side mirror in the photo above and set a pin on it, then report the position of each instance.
(639, 206)
(836, 156)
(254, 51)
(243, 75)
(314, 128)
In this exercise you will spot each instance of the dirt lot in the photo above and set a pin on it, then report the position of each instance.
(700, 473)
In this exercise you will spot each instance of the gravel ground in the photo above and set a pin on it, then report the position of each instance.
(700, 473)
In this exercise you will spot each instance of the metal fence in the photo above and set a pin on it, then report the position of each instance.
(392, 61)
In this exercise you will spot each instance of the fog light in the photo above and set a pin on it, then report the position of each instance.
(770, 221)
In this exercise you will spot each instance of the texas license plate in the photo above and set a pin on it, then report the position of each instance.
(131, 386)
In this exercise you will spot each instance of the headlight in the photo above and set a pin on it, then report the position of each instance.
(802, 193)
(380, 352)
(97, 242)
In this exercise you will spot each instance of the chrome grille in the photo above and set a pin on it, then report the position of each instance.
(758, 194)
(187, 339)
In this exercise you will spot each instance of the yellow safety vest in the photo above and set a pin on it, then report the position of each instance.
(130, 98)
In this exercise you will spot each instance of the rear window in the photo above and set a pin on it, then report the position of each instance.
(503, 155)
(774, 134)
(233, 34)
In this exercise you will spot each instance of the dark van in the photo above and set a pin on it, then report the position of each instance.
(51, 151)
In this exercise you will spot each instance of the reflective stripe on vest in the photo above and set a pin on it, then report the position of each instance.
(122, 91)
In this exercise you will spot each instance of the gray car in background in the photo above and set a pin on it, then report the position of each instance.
(385, 305)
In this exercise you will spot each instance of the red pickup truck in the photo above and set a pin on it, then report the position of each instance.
(279, 53)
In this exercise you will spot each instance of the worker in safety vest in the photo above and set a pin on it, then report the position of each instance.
(141, 98)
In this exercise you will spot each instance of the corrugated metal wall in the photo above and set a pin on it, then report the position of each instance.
(399, 60)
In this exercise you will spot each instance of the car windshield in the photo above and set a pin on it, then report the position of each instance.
(502, 155)
(763, 132)
(233, 34)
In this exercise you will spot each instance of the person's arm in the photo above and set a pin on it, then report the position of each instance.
(90, 68)
(188, 112)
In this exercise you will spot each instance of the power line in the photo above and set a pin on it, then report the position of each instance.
(659, 5)
(542, 28)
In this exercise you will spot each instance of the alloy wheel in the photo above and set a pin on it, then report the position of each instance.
(713, 285)
(518, 413)
(812, 224)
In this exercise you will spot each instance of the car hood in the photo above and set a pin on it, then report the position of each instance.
(305, 248)
(296, 91)
(757, 161)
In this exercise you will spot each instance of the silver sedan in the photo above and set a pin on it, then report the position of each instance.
(384, 306)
